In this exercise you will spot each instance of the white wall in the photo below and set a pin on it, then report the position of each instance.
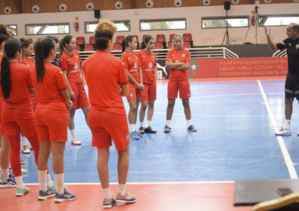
(192, 14)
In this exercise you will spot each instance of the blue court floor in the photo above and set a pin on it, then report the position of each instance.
(235, 139)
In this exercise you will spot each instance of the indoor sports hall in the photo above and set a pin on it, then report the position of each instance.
(237, 102)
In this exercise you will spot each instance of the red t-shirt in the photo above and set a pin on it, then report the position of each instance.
(30, 62)
(71, 64)
(48, 91)
(178, 56)
(104, 73)
(132, 63)
(21, 81)
(1, 95)
(148, 66)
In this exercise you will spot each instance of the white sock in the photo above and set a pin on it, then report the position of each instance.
(122, 188)
(73, 133)
(24, 140)
(189, 122)
(288, 124)
(168, 123)
(4, 173)
(19, 181)
(42, 178)
(148, 123)
(141, 124)
(107, 193)
(49, 180)
(132, 127)
(59, 183)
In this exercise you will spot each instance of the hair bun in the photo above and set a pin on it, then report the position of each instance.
(106, 26)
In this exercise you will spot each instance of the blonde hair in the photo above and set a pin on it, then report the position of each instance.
(106, 26)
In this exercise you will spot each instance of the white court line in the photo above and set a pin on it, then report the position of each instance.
(215, 115)
(285, 153)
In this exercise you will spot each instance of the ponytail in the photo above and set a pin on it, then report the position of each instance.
(126, 41)
(66, 40)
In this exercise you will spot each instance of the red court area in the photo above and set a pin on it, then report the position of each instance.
(150, 197)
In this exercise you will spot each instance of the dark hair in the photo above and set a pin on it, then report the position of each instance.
(66, 40)
(101, 39)
(296, 27)
(53, 38)
(3, 38)
(25, 42)
(3, 30)
(11, 46)
(126, 41)
(42, 51)
(145, 41)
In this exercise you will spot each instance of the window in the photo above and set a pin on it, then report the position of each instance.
(12, 28)
(48, 28)
(220, 22)
(169, 24)
(122, 26)
(277, 20)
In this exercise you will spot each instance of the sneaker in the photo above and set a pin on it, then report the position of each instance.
(75, 141)
(44, 195)
(125, 198)
(23, 161)
(140, 135)
(167, 129)
(191, 128)
(149, 130)
(141, 130)
(134, 135)
(52, 186)
(25, 149)
(9, 183)
(108, 203)
(22, 191)
(283, 132)
(66, 196)
(24, 171)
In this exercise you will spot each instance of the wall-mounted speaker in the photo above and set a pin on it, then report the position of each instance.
(118, 5)
(62, 7)
(296, 1)
(35, 8)
(7, 10)
(97, 14)
(149, 3)
(267, 1)
(235, 1)
(227, 5)
(177, 3)
(89, 6)
(206, 2)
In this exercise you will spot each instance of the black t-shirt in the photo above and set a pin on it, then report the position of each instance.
(56, 61)
(292, 47)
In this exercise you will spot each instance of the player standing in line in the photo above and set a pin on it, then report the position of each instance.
(51, 119)
(292, 80)
(178, 60)
(107, 81)
(149, 94)
(6, 180)
(57, 48)
(70, 63)
(132, 65)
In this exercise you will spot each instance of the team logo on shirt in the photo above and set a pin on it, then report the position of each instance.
(77, 56)
(297, 46)
(150, 65)
(135, 65)
(183, 55)
(153, 57)
(76, 66)
(131, 94)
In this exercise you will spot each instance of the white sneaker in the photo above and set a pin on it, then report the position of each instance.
(283, 132)
(25, 149)
(75, 141)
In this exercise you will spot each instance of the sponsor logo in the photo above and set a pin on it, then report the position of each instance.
(150, 65)
(297, 46)
(76, 66)
(135, 65)
(177, 61)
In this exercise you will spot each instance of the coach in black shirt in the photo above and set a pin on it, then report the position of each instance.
(292, 80)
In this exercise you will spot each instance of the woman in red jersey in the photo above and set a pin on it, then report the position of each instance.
(132, 65)
(51, 119)
(149, 72)
(70, 63)
(6, 180)
(107, 81)
(17, 114)
(27, 50)
(178, 61)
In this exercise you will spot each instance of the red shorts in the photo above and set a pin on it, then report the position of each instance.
(133, 92)
(81, 100)
(1, 125)
(150, 92)
(15, 120)
(105, 126)
(51, 124)
(182, 86)
(34, 101)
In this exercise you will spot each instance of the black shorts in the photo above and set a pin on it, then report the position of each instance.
(292, 86)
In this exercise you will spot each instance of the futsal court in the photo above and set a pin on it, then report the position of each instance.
(236, 121)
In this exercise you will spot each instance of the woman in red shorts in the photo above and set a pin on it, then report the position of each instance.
(149, 72)
(70, 63)
(178, 61)
(51, 119)
(107, 80)
(132, 65)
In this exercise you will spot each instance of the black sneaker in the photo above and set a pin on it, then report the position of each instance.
(167, 129)
(149, 130)
(141, 130)
(191, 128)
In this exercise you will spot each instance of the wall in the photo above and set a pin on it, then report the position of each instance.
(201, 37)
